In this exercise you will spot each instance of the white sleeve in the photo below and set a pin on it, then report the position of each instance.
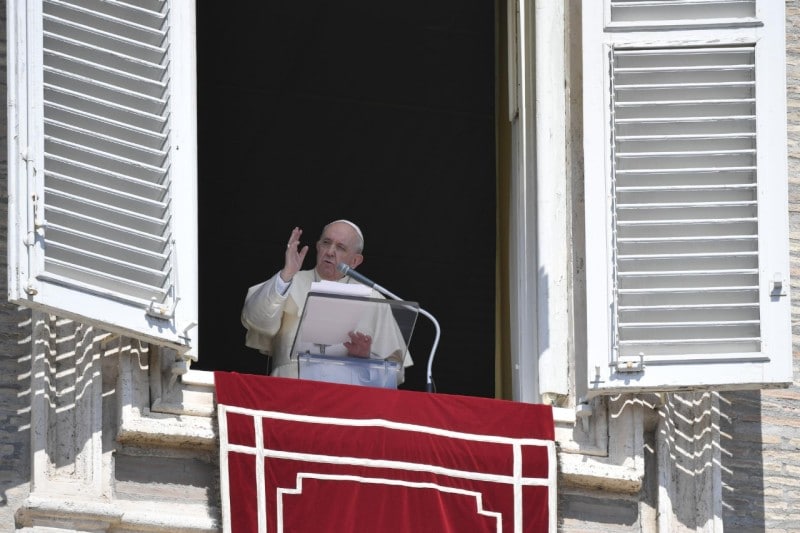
(281, 286)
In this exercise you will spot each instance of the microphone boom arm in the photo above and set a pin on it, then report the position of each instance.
(344, 269)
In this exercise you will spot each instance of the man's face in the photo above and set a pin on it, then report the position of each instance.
(338, 244)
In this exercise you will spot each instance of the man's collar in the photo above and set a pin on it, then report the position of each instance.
(343, 279)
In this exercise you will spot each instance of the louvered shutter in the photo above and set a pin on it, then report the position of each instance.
(102, 164)
(685, 183)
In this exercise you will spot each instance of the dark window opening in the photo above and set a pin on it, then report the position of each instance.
(380, 113)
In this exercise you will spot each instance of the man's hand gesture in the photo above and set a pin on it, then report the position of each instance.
(294, 256)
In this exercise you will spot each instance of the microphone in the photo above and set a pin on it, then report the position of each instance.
(347, 271)
(359, 277)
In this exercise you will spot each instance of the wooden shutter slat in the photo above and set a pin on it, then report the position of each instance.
(116, 215)
(68, 255)
(95, 281)
(130, 236)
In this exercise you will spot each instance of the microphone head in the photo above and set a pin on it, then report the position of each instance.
(343, 268)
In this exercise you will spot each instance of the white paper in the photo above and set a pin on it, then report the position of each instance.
(334, 287)
(328, 320)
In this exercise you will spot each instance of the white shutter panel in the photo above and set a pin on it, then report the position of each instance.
(102, 188)
(687, 214)
(663, 14)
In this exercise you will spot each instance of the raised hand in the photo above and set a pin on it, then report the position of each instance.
(294, 256)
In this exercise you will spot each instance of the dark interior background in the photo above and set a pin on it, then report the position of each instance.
(379, 112)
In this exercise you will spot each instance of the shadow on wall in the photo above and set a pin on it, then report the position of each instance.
(15, 402)
(742, 443)
(696, 445)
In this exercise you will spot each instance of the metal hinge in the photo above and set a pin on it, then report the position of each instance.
(629, 363)
(162, 311)
(778, 285)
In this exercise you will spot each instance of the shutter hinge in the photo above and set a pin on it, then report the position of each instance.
(629, 363)
(39, 223)
(186, 338)
(778, 285)
(161, 311)
(30, 288)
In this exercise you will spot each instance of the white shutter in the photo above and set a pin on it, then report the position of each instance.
(668, 14)
(685, 183)
(102, 164)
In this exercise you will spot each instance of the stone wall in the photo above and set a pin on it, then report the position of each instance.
(760, 431)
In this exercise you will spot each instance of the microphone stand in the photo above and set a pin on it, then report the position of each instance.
(344, 269)
(429, 378)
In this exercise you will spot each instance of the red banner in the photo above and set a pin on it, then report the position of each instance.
(307, 456)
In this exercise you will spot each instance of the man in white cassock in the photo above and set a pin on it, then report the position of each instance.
(272, 309)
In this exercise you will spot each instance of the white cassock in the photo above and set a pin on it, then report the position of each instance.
(272, 319)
